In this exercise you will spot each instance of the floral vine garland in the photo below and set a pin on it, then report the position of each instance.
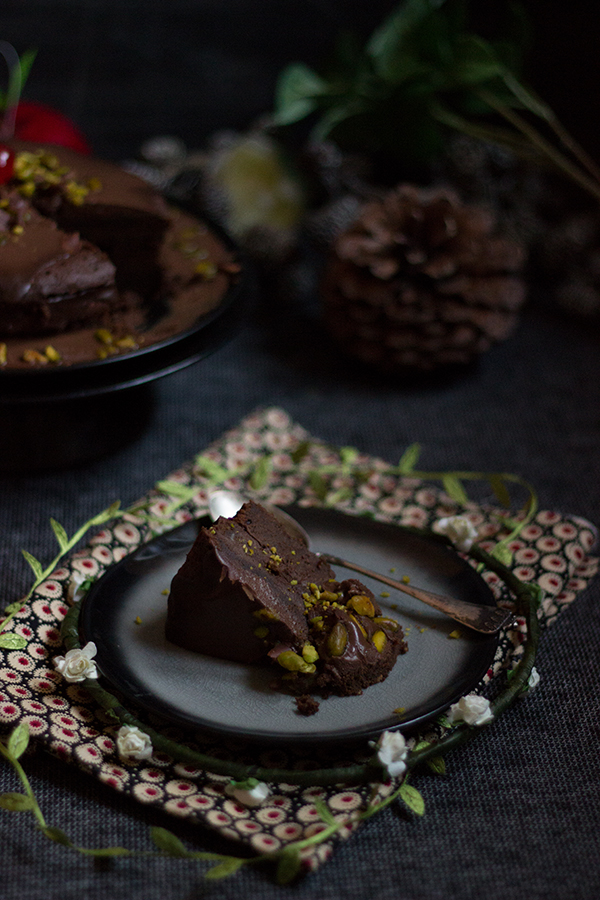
(391, 757)
(527, 600)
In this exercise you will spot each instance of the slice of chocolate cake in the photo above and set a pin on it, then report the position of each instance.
(249, 591)
(86, 245)
(49, 280)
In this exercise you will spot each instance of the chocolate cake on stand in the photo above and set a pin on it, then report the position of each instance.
(104, 287)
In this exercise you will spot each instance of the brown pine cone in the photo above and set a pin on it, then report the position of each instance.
(420, 281)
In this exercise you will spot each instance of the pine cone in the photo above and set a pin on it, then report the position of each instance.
(421, 281)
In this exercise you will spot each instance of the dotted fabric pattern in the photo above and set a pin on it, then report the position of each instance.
(552, 550)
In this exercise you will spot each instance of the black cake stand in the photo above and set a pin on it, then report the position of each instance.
(57, 417)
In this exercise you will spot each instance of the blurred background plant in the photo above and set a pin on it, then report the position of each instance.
(421, 73)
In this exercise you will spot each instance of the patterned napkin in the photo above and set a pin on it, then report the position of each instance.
(551, 550)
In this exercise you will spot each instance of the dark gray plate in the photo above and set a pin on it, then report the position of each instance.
(232, 699)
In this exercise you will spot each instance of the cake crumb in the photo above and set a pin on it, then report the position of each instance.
(307, 705)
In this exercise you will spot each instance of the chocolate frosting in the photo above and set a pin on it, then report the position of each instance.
(248, 589)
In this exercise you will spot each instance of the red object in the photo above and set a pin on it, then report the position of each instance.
(36, 122)
(7, 161)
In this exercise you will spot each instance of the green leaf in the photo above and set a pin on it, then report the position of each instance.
(15, 802)
(476, 61)
(348, 456)
(300, 452)
(412, 799)
(168, 842)
(105, 851)
(455, 490)
(261, 472)
(174, 489)
(538, 593)
(288, 867)
(502, 553)
(296, 93)
(437, 764)
(27, 59)
(12, 641)
(229, 866)
(409, 458)
(394, 39)
(18, 740)
(109, 513)
(211, 469)
(336, 115)
(500, 490)
(60, 534)
(13, 607)
(319, 484)
(57, 835)
(324, 811)
(34, 563)
(343, 493)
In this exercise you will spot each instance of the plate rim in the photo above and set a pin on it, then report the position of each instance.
(345, 734)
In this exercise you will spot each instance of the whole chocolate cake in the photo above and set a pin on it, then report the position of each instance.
(85, 244)
(249, 591)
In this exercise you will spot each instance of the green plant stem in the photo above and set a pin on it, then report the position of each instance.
(544, 146)
(538, 107)
(35, 809)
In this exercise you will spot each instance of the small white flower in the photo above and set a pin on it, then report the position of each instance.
(472, 709)
(534, 680)
(250, 792)
(74, 591)
(459, 529)
(392, 752)
(77, 665)
(133, 743)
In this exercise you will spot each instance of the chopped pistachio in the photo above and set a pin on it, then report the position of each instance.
(380, 640)
(293, 662)
(206, 269)
(337, 640)
(34, 356)
(52, 355)
(126, 343)
(103, 335)
(362, 605)
(309, 653)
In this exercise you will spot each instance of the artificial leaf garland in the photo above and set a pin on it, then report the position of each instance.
(428, 755)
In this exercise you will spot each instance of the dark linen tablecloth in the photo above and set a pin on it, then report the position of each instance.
(516, 814)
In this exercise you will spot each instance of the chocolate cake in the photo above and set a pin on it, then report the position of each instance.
(85, 244)
(250, 592)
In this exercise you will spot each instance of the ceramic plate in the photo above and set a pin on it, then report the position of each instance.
(124, 614)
